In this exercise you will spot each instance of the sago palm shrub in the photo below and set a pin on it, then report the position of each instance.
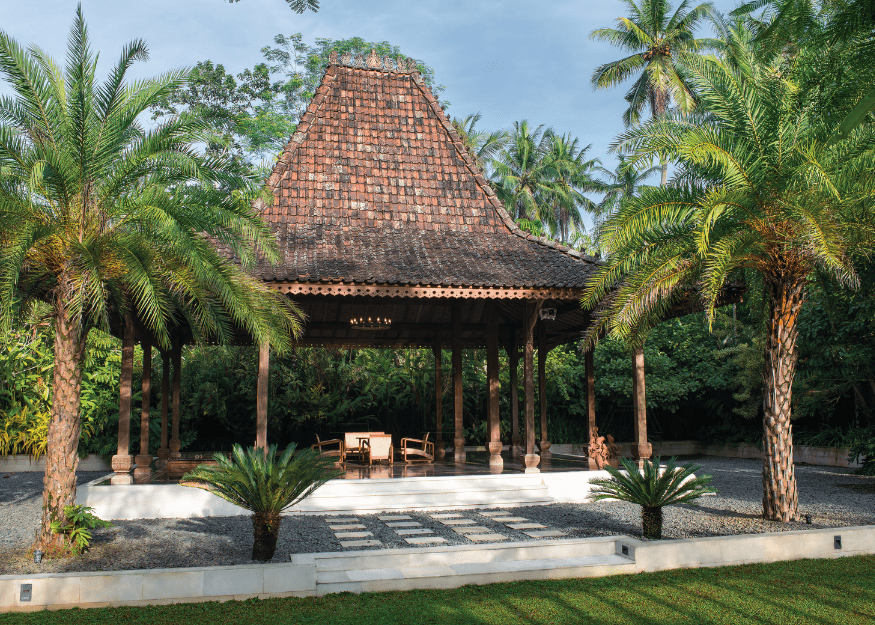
(257, 480)
(652, 489)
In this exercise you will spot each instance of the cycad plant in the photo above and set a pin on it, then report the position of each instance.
(257, 480)
(652, 489)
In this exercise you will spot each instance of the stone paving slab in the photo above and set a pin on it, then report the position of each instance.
(526, 526)
(544, 533)
(395, 517)
(342, 519)
(360, 543)
(350, 526)
(404, 524)
(353, 534)
(445, 515)
(509, 519)
(414, 532)
(423, 540)
(486, 537)
(458, 522)
(472, 529)
(493, 513)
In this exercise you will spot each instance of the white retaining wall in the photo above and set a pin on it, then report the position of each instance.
(22, 464)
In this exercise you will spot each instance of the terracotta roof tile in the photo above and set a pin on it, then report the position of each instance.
(376, 187)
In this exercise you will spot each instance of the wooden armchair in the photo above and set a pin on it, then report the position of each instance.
(379, 447)
(354, 445)
(417, 447)
(340, 452)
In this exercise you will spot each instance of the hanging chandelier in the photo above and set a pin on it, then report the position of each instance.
(370, 323)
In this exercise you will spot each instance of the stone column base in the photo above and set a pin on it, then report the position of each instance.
(496, 463)
(439, 449)
(544, 446)
(642, 451)
(163, 456)
(531, 461)
(144, 468)
(459, 449)
(122, 466)
(174, 449)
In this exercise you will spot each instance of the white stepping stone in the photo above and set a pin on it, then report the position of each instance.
(509, 519)
(394, 517)
(493, 513)
(544, 533)
(351, 526)
(422, 530)
(526, 526)
(425, 540)
(345, 519)
(485, 537)
(405, 524)
(476, 529)
(445, 515)
(360, 543)
(352, 534)
(458, 522)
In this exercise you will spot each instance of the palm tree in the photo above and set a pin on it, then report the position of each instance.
(652, 489)
(481, 144)
(764, 191)
(655, 38)
(256, 480)
(524, 173)
(621, 184)
(572, 178)
(107, 221)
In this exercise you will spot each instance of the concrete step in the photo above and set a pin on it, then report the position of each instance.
(454, 575)
(431, 484)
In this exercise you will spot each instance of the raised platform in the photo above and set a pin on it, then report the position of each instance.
(443, 485)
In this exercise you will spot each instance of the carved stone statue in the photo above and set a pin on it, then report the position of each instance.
(602, 449)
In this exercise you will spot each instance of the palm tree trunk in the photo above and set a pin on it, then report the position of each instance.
(780, 497)
(651, 522)
(59, 485)
(266, 527)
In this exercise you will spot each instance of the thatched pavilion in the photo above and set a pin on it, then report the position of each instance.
(381, 213)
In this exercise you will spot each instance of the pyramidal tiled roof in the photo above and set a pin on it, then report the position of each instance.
(376, 187)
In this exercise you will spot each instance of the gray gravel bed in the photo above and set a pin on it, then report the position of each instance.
(833, 497)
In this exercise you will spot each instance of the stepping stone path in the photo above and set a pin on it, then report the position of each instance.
(535, 530)
(411, 531)
(468, 527)
(342, 526)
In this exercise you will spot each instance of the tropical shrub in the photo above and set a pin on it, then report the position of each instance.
(77, 527)
(257, 480)
(652, 489)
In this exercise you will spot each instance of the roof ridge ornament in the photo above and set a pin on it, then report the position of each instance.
(399, 64)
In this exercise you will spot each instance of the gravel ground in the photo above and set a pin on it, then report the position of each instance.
(833, 497)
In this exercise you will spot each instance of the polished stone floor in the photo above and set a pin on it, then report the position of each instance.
(476, 463)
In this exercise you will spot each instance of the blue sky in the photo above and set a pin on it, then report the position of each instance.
(509, 60)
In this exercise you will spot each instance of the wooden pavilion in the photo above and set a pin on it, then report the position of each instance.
(382, 214)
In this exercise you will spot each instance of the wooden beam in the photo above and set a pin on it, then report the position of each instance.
(176, 356)
(261, 396)
(144, 458)
(641, 448)
(164, 450)
(439, 450)
(589, 368)
(493, 420)
(542, 387)
(513, 357)
(122, 462)
(458, 406)
(531, 317)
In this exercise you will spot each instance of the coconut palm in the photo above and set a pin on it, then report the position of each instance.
(652, 489)
(572, 177)
(523, 171)
(763, 190)
(618, 186)
(482, 145)
(257, 480)
(107, 221)
(655, 37)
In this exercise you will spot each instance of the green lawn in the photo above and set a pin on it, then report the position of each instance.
(812, 592)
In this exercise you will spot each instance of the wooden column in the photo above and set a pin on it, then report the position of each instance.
(459, 439)
(513, 357)
(531, 317)
(144, 458)
(493, 419)
(164, 450)
(439, 450)
(589, 364)
(122, 462)
(176, 356)
(261, 396)
(641, 449)
(544, 445)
